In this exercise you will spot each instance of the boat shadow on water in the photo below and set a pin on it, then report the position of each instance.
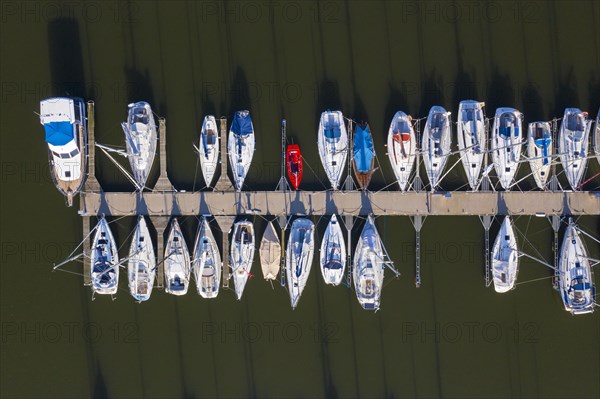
(66, 58)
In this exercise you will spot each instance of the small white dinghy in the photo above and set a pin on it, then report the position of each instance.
(176, 262)
(141, 265)
(242, 254)
(575, 274)
(505, 258)
(299, 257)
(506, 144)
(104, 260)
(437, 139)
(471, 138)
(369, 267)
(140, 140)
(240, 145)
(333, 253)
(539, 151)
(402, 148)
(206, 263)
(270, 253)
(573, 144)
(209, 148)
(332, 141)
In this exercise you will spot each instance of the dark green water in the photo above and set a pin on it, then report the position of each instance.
(452, 337)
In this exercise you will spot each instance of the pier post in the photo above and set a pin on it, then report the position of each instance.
(486, 220)
(87, 265)
(283, 183)
(91, 183)
(160, 224)
(349, 222)
(556, 227)
(223, 184)
(225, 223)
(418, 223)
(163, 183)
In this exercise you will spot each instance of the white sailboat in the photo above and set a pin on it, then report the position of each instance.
(240, 146)
(299, 257)
(437, 139)
(506, 144)
(176, 262)
(573, 144)
(539, 151)
(140, 140)
(242, 254)
(402, 148)
(333, 253)
(332, 141)
(104, 261)
(141, 264)
(270, 253)
(206, 263)
(369, 267)
(65, 124)
(575, 274)
(505, 258)
(471, 138)
(208, 150)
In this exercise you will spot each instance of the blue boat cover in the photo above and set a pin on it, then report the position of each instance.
(58, 133)
(332, 127)
(242, 124)
(544, 144)
(363, 149)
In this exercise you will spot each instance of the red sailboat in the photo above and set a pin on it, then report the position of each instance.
(294, 164)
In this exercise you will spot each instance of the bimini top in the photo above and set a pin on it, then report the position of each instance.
(363, 148)
(242, 124)
(58, 133)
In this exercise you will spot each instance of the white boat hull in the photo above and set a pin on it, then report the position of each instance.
(105, 261)
(506, 145)
(242, 255)
(206, 263)
(369, 267)
(505, 258)
(437, 139)
(573, 145)
(540, 152)
(333, 253)
(141, 266)
(241, 151)
(332, 142)
(576, 281)
(140, 140)
(209, 148)
(299, 257)
(270, 253)
(472, 139)
(176, 262)
(402, 148)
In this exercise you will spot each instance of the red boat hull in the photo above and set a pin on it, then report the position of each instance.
(293, 158)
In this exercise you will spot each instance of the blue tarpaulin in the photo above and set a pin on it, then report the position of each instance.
(363, 149)
(242, 124)
(58, 133)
